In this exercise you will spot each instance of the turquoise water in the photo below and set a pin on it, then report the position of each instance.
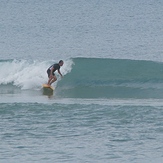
(108, 107)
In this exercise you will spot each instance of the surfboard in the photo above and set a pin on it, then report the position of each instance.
(45, 86)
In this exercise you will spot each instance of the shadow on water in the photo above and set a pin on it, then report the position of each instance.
(47, 92)
(11, 90)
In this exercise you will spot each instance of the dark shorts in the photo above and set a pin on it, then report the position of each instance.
(48, 72)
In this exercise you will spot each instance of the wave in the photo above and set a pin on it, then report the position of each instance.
(88, 77)
(112, 78)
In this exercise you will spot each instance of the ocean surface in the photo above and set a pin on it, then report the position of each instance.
(108, 107)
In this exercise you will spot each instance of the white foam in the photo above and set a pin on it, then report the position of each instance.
(28, 75)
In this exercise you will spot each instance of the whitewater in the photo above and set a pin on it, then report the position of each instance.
(27, 74)
(108, 107)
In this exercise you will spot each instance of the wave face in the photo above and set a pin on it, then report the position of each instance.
(112, 78)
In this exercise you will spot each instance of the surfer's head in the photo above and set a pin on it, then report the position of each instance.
(61, 62)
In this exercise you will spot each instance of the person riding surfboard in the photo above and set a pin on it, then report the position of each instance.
(51, 70)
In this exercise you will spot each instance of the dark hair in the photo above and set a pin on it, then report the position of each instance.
(61, 61)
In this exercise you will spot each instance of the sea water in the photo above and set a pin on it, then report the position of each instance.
(108, 107)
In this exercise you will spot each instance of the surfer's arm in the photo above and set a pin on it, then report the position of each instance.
(60, 73)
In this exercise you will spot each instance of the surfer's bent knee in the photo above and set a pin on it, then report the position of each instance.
(54, 77)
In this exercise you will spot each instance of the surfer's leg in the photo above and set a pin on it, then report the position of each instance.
(53, 80)
(49, 81)
(50, 78)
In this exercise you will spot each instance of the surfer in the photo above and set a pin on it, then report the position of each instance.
(52, 69)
